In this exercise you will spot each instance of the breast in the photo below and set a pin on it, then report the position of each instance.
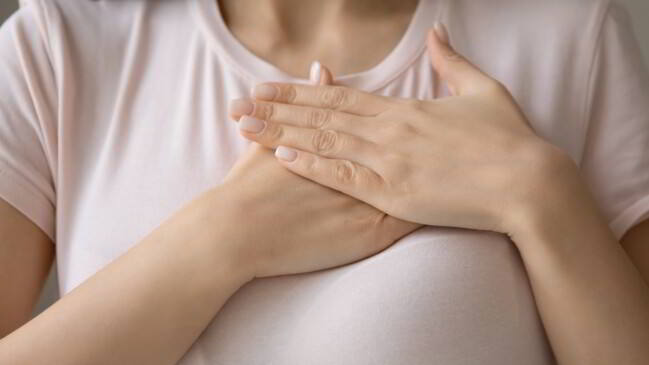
(439, 295)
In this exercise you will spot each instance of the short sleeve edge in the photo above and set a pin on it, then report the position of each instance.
(630, 216)
(31, 203)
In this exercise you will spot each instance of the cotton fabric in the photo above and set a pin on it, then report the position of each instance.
(113, 114)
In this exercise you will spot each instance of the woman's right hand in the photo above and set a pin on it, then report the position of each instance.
(292, 225)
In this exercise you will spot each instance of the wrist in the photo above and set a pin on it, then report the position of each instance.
(552, 193)
(216, 223)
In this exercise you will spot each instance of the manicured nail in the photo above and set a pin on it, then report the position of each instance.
(241, 107)
(264, 92)
(314, 73)
(251, 124)
(285, 153)
(441, 31)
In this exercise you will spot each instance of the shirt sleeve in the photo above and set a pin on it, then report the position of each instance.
(616, 154)
(27, 120)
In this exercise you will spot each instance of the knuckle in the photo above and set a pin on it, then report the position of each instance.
(400, 130)
(344, 172)
(287, 93)
(273, 132)
(324, 140)
(396, 170)
(335, 97)
(318, 118)
(265, 111)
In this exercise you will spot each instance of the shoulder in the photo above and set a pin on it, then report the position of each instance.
(574, 18)
(537, 33)
(534, 10)
(87, 18)
(90, 32)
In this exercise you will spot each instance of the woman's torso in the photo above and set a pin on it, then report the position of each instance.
(143, 128)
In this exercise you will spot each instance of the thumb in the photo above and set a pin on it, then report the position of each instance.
(461, 76)
(320, 75)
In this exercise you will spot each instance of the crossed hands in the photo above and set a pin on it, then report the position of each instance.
(470, 160)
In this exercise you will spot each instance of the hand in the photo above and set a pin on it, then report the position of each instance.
(463, 161)
(293, 225)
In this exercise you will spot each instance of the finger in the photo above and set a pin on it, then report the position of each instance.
(326, 77)
(461, 76)
(324, 142)
(323, 96)
(342, 175)
(305, 117)
(320, 75)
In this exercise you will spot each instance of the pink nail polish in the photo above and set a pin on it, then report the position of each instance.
(251, 124)
(314, 72)
(285, 153)
(241, 107)
(264, 92)
(441, 31)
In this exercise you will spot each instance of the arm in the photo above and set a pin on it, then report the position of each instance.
(25, 258)
(146, 307)
(150, 305)
(593, 300)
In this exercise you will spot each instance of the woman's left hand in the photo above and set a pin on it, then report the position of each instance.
(469, 160)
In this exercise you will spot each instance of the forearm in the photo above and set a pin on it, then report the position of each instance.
(146, 307)
(593, 301)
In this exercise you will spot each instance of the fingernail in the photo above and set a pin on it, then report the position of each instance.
(441, 31)
(285, 153)
(314, 73)
(264, 92)
(241, 107)
(251, 124)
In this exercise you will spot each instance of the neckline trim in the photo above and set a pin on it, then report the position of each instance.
(257, 69)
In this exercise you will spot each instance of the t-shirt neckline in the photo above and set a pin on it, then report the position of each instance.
(409, 47)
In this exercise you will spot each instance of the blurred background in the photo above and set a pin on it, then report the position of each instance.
(639, 10)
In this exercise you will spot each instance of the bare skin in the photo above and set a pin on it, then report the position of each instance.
(291, 34)
(149, 305)
(590, 292)
(137, 335)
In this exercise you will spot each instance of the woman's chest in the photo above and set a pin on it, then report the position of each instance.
(131, 157)
(439, 295)
(134, 152)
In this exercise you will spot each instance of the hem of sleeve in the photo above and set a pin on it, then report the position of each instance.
(630, 217)
(35, 206)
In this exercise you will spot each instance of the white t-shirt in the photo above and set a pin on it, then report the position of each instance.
(113, 114)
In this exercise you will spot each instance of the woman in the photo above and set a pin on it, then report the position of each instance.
(115, 116)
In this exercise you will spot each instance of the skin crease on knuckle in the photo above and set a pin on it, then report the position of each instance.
(319, 118)
(264, 111)
(335, 98)
(325, 141)
(286, 93)
(273, 133)
(345, 172)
